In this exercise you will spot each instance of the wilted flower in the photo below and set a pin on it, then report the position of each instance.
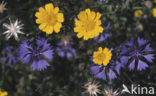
(136, 53)
(2, 7)
(65, 49)
(88, 24)
(105, 63)
(110, 92)
(103, 36)
(138, 13)
(92, 88)
(38, 54)
(3, 93)
(10, 56)
(13, 29)
(49, 19)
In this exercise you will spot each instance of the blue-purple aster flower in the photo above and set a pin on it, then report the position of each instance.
(38, 54)
(64, 49)
(103, 36)
(10, 56)
(111, 70)
(136, 54)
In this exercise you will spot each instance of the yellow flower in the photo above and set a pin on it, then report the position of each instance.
(154, 12)
(88, 24)
(102, 56)
(138, 13)
(49, 19)
(3, 93)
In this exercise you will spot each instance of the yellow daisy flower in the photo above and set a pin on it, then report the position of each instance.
(49, 19)
(154, 12)
(88, 24)
(102, 56)
(138, 13)
(3, 93)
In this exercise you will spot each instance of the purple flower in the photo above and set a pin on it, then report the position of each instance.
(10, 56)
(39, 54)
(65, 49)
(103, 36)
(110, 71)
(136, 54)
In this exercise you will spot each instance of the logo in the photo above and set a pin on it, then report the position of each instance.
(137, 89)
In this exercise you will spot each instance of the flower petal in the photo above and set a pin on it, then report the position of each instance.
(141, 65)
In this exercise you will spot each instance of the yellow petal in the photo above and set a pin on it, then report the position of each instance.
(56, 10)
(79, 35)
(50, 30)
(82, 16)
(57, 27)
(49, 7)
(98, 15)
(60, 17)
(42, 26)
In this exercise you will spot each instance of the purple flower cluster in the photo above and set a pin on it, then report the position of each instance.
(136, 53)
(9, 56)
(39, 54)
(65, 49)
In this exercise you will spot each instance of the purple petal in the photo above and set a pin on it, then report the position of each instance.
(124, 50)
(118, 67)
(141, 65)
(101, 75)
(130, 43)
(132, 65)
(8, 62)
(148, 48)
(95, 69)
(3, 59)
(61, 54)
(48, 54)
(69, 55)
(39, 65)
(124, 59)
(112, 75)
(149, 57)
(141, 42)
(26, 59)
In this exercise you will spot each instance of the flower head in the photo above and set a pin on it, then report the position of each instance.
(2, 7)
(39, 54)
(138, 13)
(154, 12)
(10, 56)
(136, 53)
(13, 29)
(92, 88)
(103, 36)
(109, 92)
(88, 24)
(49, 19)
(3, 93)
(103, 63)
(65, 49)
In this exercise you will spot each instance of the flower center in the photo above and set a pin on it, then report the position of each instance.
(89, 25)
(136, 53)
(101, 57)
(36, 53)
(51, 19)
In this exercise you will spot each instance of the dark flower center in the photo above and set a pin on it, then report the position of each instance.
(36, 53)
(136, 53)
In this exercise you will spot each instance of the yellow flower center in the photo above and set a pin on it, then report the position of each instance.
(102, 56)
(51, 19)
(89, 25)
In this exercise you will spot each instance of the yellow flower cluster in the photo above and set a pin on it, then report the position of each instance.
(3, 93)
(88, 24)
(138, 13)
(49, 19)
(102, 56)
